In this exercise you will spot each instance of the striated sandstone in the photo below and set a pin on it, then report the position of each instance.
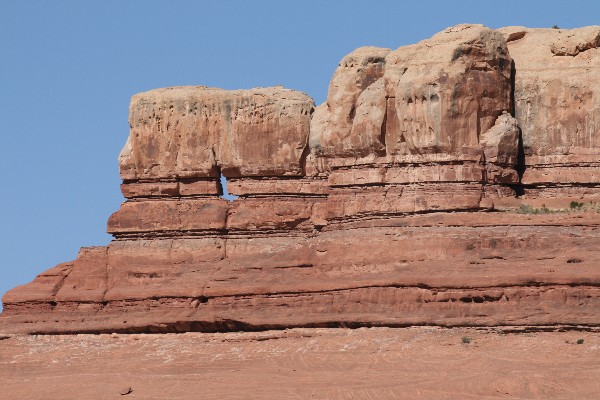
(435, 113)
(557, 106)
(446, 91)
(354, 112)
(191, 132)
(372, 209)
(437, 96)
(444, 269)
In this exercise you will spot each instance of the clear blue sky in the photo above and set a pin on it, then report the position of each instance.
(68, 69)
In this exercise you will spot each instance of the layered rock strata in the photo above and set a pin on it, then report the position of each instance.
(423, 128)
(377, 208)
(557, 106)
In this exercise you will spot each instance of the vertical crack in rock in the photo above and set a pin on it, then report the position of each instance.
(61, 282)
(304, 156)
(521, 162)
(557, 113)
(382, 152)
(106, 280)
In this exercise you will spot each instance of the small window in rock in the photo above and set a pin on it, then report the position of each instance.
(224, 193)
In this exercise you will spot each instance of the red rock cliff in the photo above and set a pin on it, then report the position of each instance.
(408, 198)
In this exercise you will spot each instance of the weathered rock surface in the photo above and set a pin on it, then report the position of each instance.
(376, 208)
(422, 128)
(434, 97)
(193, 132)
(557, 106)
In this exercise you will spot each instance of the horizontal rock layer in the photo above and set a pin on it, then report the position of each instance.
(378, 207)
(444, 269)
(557, 106)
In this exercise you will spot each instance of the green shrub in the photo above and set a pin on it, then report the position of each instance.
(579, 341)
(555, 27)
(466, 339)
(527, 209)
(575, 205)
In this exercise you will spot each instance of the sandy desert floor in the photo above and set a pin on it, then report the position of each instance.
(368, 363)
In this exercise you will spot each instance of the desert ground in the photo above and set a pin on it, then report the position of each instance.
(366, 363)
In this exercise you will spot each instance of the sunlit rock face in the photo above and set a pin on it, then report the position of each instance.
(378, 207)
(557, 105)
(192, 132)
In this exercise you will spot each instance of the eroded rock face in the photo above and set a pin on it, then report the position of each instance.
(447, 90)
(557, 106)
(434, 97)
(390, 115)
(192, 132)
(373, 208)
(574, 41)
(350, 122)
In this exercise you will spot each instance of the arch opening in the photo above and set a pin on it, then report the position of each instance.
(224, 194)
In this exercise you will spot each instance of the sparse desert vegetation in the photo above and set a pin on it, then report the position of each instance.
(574, 206)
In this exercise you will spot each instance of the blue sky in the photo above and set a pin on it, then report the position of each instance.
(68, 69)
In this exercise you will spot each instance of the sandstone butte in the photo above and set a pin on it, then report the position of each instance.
(451, 183)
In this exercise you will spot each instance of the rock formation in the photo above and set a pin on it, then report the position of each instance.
(557, 106)
(408, 198)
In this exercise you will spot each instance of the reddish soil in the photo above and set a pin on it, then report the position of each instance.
(374, 363)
